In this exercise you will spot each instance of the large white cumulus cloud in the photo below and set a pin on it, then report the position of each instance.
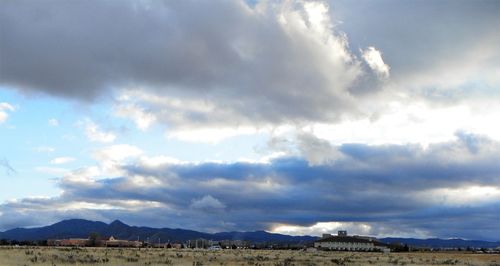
(250, 63)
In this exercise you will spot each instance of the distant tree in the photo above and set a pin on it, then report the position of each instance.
(93, 238)
(234, 246)
(398, 247)
(169, 246)
(4, 242)
(26, 243)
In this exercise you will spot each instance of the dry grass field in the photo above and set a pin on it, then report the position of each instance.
(108, 256)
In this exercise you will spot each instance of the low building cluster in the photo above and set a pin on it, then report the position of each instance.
(215, 245)
(113, 242)
(87, 242)
(340, 242)
(201, 243)
(343, 242)
(234, 244)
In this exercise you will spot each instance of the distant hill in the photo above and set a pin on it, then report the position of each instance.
(442, 243)
(65, 229)
(78, 228)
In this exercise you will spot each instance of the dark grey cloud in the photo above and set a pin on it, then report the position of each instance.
(255, 61)
(232, 63)
(400, 188)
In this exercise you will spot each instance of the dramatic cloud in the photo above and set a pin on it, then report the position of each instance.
(289, 194)
(251, 63)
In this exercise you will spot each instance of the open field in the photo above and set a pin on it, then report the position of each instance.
(108, 256)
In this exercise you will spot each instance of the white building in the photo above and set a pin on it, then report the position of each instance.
(344, 242)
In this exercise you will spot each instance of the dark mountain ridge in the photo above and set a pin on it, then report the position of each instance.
(79, 228)
(442, 243)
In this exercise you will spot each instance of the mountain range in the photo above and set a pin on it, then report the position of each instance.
(79, 228)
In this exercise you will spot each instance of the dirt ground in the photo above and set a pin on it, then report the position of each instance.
(108, 256)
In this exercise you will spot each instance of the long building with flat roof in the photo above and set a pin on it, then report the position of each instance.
(344, 242)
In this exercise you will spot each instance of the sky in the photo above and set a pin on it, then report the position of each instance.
(294, 117)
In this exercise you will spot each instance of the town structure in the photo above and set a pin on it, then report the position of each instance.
(344, 242)
(86, 242)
